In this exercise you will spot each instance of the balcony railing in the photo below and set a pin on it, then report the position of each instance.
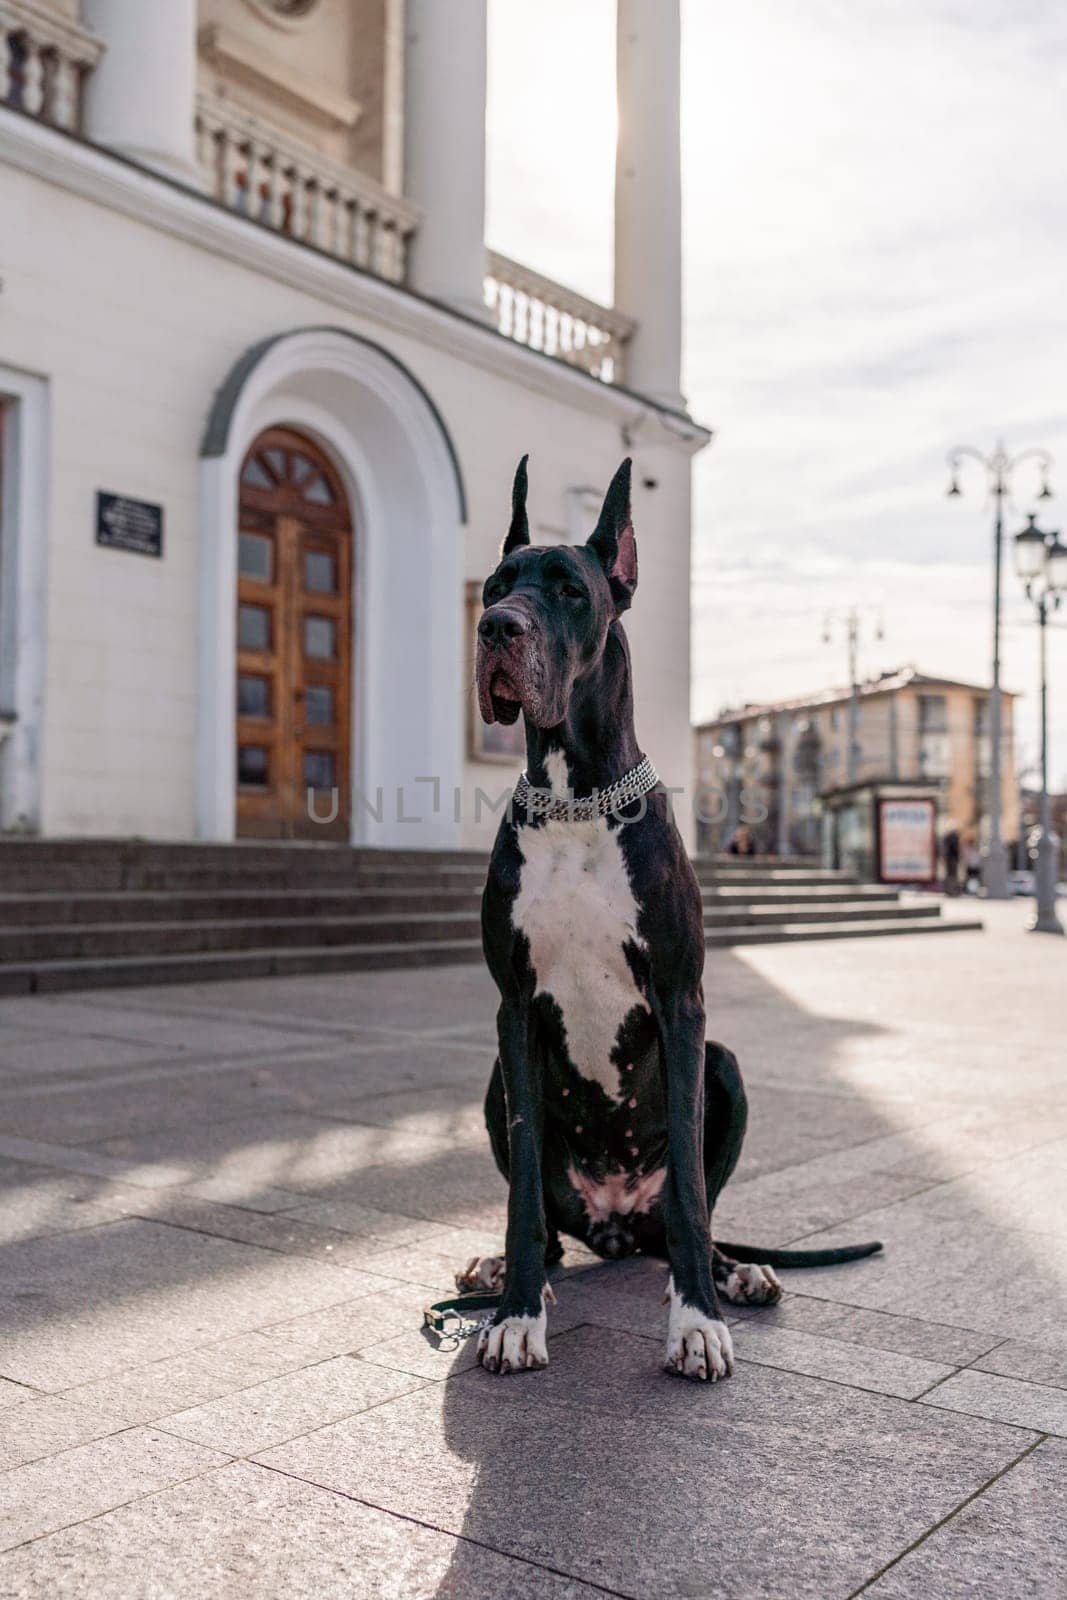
(544, 315)
(263, 173)
(43, 60)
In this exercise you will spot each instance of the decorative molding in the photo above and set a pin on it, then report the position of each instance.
(156, 201)
(255, 169)
(242, 62)
(293, 17)
(51, 30)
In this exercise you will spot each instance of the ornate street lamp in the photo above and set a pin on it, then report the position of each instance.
(1041, 562)
(999, 468)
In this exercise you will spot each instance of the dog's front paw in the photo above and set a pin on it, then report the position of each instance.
(515, 1344)
(751, 1285)
(698, 1346)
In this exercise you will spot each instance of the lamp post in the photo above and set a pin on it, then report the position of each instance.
(999, 468)
(1041, 562)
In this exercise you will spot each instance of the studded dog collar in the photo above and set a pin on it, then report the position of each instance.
(588, 807)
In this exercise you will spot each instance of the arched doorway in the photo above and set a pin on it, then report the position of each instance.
(294, 642)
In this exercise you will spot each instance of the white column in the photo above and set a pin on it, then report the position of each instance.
(141, 98)
(444, 148)
(648, 194)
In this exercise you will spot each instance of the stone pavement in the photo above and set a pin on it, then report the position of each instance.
(222, 1208)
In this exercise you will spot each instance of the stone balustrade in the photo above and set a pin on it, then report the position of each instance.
(535, 311)
(43, 59)
(263, 173)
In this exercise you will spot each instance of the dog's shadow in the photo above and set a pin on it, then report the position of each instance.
(552, 1460)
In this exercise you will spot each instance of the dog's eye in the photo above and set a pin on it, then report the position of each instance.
(493, 591)
(572, 591)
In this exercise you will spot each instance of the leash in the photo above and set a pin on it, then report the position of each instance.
(449, 1322)
(478, 1287)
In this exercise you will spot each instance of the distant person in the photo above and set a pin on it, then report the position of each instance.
(950, 851)
(743, 842)
(972, 862)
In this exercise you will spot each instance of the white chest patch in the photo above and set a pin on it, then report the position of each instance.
(577, 910)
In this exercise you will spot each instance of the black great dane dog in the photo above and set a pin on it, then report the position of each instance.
(611, 1118)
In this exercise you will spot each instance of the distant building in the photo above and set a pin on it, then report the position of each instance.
(768, 765)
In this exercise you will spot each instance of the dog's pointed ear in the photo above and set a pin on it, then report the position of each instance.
(519, 532)
(612, 540)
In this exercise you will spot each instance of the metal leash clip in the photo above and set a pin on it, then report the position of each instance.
(478, 1288)
(448, 1324)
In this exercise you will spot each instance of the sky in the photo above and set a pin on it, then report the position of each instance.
(875, 247)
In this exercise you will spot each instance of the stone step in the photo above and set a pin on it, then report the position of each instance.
(206, 966)
(102, 941)
(114, 906)
(795, 912)
(49, 977)
(784, 894)
(792, 876)
(798, 932)
(222, 905)
(79, 940)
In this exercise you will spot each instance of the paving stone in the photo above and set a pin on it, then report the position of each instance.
(146, 1393)
(883, 1371)
(79, 1306)
(164, 1100)
(81, 1483)
(1027, 1361)
(65, 1158)
(285, 1407)
(385, 1229)
(985, 1394)
(13, 1394)
(281, 1150)
(45, 1424)
(435, 1261)
(954, 1272)
(36, 1200)
(881, 1330)
(460, 1185)
(342, 1329)
(250, 1196)
(275, 1230)
(772, 1484)
(775, 1221)
(243, 1531)
(1011, 1542)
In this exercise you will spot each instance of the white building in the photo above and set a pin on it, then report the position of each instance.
(263, 390)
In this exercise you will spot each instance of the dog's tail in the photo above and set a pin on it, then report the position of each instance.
(800, 1258)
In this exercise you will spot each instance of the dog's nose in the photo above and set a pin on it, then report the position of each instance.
(499, 627)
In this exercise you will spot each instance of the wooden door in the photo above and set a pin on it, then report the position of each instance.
(294, 643)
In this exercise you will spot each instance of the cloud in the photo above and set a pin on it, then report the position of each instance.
(875, 238)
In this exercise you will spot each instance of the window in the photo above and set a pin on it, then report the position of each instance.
(253, 696)
(318, 705)
(319, 638)
(933, 713)
(320, 572)
(255, 557)
(253, 628)
(319, 769)
(252, 766)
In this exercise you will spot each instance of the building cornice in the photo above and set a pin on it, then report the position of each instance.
(897, 684)
(164, 203)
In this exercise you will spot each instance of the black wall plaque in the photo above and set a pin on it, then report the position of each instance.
(125, 524)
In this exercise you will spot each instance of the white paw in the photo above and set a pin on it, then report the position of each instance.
(698, 1346)
(751, 1285)
(516, 1344)
(482, 1272)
